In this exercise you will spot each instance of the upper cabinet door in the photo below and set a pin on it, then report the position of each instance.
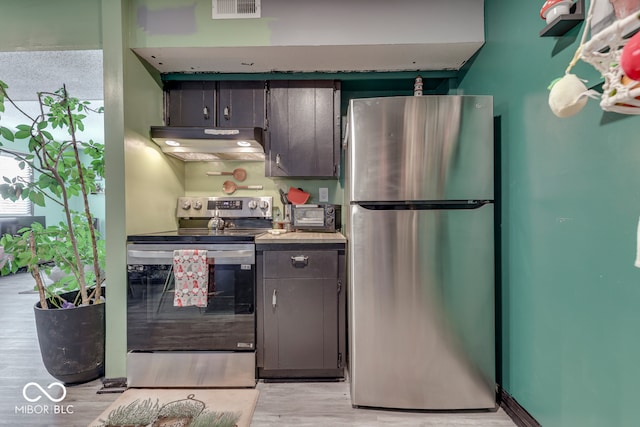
(241, 104)
(304, 129)
(190, 103)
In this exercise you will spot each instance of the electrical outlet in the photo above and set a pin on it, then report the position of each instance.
(324, 194)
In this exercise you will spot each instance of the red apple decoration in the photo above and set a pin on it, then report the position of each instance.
(630, 58)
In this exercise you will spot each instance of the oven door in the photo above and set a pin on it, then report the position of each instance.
(227, 323)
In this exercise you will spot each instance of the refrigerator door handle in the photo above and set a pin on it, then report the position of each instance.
(424, 205)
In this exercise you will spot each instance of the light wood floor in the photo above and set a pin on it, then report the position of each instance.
(289, 404)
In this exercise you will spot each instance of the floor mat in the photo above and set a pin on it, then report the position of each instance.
(181, 408)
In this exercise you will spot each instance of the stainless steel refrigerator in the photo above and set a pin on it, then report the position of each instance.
(419, 185)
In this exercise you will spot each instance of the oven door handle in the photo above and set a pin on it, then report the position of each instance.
(155, 257)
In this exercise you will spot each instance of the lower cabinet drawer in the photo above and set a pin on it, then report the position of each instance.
(301, 264)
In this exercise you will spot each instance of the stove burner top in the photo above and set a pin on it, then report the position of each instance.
(244, 218)
(225, 232)
(198, 235)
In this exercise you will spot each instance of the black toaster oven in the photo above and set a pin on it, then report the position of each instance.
(320, 217)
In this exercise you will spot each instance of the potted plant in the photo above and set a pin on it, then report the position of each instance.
(70, 313)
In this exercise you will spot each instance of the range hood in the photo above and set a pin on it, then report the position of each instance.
(192, 144)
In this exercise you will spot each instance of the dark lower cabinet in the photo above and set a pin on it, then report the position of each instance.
(301, 312)
(301, 324)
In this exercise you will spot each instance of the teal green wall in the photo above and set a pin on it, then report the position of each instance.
(570, 206)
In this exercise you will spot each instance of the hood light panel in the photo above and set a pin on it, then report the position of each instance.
(208, 144)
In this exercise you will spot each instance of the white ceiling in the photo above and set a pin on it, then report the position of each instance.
(81, 71)
(399, 57)
(46, 71)
(27, 73)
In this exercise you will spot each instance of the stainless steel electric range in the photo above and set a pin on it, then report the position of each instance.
(195, 346)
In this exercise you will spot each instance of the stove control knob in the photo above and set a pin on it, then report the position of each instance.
(197, 205)
(264, 204)
(253, 204)
(186, 205)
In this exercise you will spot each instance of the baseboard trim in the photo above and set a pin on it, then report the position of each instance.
(113, 385)
(517, 413)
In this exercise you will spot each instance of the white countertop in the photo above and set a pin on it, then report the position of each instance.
(300, 237)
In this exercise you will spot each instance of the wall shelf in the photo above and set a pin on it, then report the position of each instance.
(564, 23)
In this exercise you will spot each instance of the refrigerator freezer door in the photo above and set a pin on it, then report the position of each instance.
(421, 308)
(420, 148)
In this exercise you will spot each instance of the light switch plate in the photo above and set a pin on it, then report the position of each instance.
(324, 194)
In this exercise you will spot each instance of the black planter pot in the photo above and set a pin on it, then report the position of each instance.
(72, 341)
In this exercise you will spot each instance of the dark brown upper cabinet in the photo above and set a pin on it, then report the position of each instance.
(304, 129)
(190, 103)
(241, 104)
(225, 104)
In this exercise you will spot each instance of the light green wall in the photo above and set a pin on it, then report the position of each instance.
(570, 206)
(153, 180)
(50, 25)
(114, 72)
(141, 180)
(190, 25)
(198, 183)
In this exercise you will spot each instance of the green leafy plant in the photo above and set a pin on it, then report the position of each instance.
(186, 408)
(216, 419)
(136, 413)
(66, 168)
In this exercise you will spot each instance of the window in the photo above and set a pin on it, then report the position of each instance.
(9, 168)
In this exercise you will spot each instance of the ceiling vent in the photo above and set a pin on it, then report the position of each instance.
(235, 9)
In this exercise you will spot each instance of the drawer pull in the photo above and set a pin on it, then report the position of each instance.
(300, 261)
(274, 298)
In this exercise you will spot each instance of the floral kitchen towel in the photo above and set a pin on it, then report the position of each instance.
(191, 273)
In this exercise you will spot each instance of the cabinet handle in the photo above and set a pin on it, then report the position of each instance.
(278, 165)
(300, 259)
(205, 113)
(274, 298)
(227, 113)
